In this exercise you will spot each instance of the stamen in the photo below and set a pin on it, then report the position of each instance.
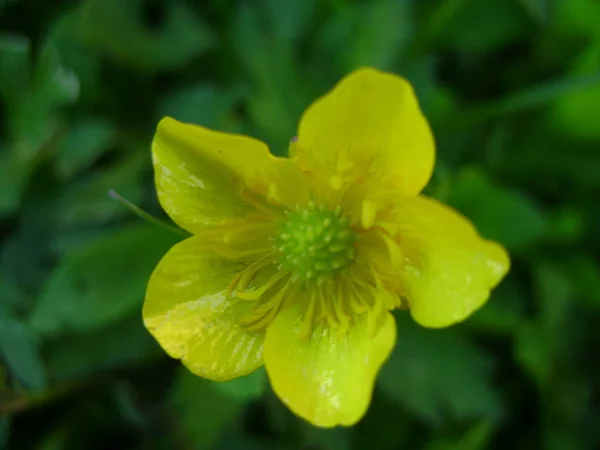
(361, 304)
(257, 293)
(249, 197)
(338, 307)
(242, 279)
(387, 300)
(327, 308)
(306, 327)
(262, 316)
(392, 247)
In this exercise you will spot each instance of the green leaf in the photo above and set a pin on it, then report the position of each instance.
(374, 33)
(55, 84)
(533, 352)
(584, 274)
(541, 344)
(34, 120)
(381, 32)
(32, 94)
(5, 425)
(116, 29)
(500, 214)
(576, 113)
(201, 104)
(504, 312)
(539, 10)
(19, 349)
(23, 252)
(65, 35)
(256, 51)
(526, 99)
(477, 438)
(578, 17)
(477, 26)
(87, 201)
(203, 410)
(57, 440)
(240, 439)
(120, 345)
(378, 431)
(327, 439)
(278, 98)
(84, 142)
(438, 372)
(14, 174)
(245, 388)
(554, 292)
(534, 151)
(101, 282)
(291, 19)
(567, 225)
(14, 66)
(124, 398)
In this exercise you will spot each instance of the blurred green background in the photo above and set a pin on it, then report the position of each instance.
(512, 89)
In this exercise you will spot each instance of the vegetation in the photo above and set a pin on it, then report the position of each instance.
(512, 90)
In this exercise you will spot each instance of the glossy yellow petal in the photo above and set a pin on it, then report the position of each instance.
(326, 378)
(367, 132)
(188, 312)
(449, 269)
(204, 176)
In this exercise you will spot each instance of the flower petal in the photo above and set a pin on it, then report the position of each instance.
(326, 378)
(368, 130)
(449, 269)
(188, 312)
(203, 177)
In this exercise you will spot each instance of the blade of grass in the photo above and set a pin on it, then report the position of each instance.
(441, 17)
(147, 217)
(526, 99)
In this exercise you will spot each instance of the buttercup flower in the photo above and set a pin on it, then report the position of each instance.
(296, 263)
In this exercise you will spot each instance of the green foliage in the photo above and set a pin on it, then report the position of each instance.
(116, 30)
(31, 94)
(412, 375)
(85, 142)
(511, 88)
(100, 281)
(574, 113)
(475, 26)
(500, 214)
(20, 351)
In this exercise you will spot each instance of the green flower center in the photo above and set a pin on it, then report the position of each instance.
(316, 243)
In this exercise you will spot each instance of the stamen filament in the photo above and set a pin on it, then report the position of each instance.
(306, 326)
(242, 279)
(265, 313)
(338, 307)
(361, 301)
(257, 293)
(253, 201)
(327, 309)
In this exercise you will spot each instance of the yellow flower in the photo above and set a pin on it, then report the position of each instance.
(295, 263)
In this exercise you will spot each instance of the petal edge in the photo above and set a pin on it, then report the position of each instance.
(369, 128)
(449, 269)
(326, 379)
(188, 312)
